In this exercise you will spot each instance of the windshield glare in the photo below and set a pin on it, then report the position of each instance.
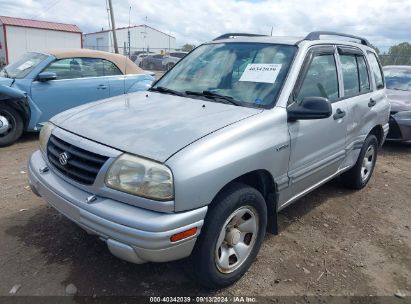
(398, 79)
(251, 73)
(22, 67)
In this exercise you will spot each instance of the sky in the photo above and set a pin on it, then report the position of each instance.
(383, 22)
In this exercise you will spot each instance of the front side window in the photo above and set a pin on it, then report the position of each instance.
(252, 74)
(376, 69)
(350, 75)
(398, 78)
(22, 67)
(70, 68)
(321, 79)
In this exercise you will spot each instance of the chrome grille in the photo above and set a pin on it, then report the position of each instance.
(79, 165)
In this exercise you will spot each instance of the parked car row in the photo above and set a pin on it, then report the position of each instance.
(159, 61)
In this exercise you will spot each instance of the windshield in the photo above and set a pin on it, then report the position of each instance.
(250, 74)
(22, 67)
(398, 79)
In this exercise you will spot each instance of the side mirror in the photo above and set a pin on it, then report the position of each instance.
(310, 108)
(46, 76)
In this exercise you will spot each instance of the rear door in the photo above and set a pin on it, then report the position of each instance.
(317, 146)
(79, 80)
(356, 87)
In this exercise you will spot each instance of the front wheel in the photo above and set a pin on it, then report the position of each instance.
(359, 175)
(11, 125)
(231, 237)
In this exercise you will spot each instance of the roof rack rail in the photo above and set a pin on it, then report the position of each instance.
(232, 35)
(316, 36)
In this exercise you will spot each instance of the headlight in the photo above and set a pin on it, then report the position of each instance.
(45, 135)
(141, 177)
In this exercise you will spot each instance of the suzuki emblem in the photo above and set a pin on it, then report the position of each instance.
(63, 158)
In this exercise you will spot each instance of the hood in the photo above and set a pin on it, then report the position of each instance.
(149, 124)
(400, 100)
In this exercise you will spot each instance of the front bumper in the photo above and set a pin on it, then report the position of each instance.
(133, 234)
(400, 128)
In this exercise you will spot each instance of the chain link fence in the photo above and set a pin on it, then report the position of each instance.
(131, 52)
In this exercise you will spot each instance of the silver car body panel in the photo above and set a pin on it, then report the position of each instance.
(207, 145)
(152, 125)
(140, 229)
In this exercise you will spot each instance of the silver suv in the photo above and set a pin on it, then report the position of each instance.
(200, 165)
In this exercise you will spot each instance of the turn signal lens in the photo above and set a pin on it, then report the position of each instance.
(183, 235)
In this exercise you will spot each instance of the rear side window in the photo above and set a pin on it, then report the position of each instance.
(376, 70)
(110, 69)
(350, 75)
(321, 78)
(363, 73)
(355, 74)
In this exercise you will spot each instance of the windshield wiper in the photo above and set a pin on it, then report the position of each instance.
(215, 96)
(166, 90)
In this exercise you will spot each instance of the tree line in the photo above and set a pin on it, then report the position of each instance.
(399, 54)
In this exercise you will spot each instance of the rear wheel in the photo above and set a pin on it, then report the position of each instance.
(359, 175)
(230, 238)
(11, 125)
(169, 66)
(151, 66)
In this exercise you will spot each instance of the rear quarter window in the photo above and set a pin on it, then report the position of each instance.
(376, 70)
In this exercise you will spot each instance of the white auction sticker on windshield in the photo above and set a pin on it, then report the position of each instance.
(261, 72)
(28, 64)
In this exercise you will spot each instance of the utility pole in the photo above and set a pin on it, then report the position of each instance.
(113, 26)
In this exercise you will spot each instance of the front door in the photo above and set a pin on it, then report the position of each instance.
(78, 81)
(317, 146)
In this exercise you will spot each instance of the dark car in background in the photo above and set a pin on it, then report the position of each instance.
(172, 58)
(398, 82)
(152, 62)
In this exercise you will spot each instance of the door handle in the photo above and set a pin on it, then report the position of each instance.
(372, 103)
(339, 114)
(102, 87)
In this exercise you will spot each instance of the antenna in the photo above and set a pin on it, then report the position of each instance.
(128, 33)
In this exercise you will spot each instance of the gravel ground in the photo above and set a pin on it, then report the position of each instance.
(332, 242)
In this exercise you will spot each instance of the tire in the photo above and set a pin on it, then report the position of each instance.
(169, 66)
(151, 66)
(15, 122)
(212, 251)
(359, 175)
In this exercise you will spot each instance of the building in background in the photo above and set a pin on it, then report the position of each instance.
(18, 36)
(142, 38)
